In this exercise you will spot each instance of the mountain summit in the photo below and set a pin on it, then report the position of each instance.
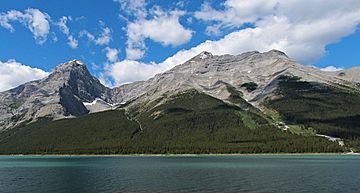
(79, 81)
(57, 96)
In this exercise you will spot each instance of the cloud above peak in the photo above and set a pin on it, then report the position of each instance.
(62, 24)
(301, 30)
(155, 24)
(102, 40)
(163, 28)
(111, 54)
(132, 8)
(35, 20)
(237, 12)
(13, 73)
(129, 46)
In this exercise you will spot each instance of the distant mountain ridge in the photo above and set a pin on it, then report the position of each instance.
(64, 91)
(250, 85)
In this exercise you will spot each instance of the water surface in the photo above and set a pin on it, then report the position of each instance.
(258, 173)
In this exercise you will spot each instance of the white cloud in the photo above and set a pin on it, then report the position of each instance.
(34, 19)
(181, 4)
(154, 24)
(13, 74)
(54, 37)
(301, 30)
(135, 53)
(111, 54)
(87, 34)
(128, 71)
(135, 8)
(331, 69)
(104, 38)
(72, 42)
(237, 12)
(63, 25)
(105, 81)
(163, 28)
(38, 24)
(213, 30)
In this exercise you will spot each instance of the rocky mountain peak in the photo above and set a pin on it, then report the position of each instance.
(203, 55)
(73, 65)
(275, 52)
(59, 95)
(75, 74)
(79, 80)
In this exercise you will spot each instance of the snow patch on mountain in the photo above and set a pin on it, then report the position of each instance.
(98, 105)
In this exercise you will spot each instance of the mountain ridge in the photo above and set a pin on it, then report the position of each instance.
(70, 87)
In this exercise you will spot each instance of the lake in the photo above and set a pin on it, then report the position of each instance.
(243, 173)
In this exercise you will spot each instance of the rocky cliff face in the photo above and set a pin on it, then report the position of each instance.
(211, 74)
(57, 96)
(72, 91)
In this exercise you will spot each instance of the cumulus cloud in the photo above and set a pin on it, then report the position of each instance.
(35, 20)
(72, 42)
(301, 30)
(111, 54)
(62, 24)
(127, 71)
(158, 30)
(103, 39)
(157, 25)
(331, 69)
(13, 74)
(237, 12)
(135, 8)
(87, 34)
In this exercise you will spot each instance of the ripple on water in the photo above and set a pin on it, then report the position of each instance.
(327, 173)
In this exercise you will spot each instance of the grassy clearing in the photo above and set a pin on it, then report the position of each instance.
(301, 130)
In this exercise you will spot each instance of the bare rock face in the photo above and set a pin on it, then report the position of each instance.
(57, 96)
(72, 91)
(210, 74)
(351, 75)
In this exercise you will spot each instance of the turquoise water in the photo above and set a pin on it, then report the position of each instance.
(260, 173)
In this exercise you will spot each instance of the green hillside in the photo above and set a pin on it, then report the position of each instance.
(329, 110)
(191, 122)
(82, 134)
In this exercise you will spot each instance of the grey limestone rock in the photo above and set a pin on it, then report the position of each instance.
(72, 91)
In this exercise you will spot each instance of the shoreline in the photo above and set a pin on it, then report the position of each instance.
(177, 155)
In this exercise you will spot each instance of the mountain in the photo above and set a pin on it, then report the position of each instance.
(211, 75)
(249, 103)
(59, 95)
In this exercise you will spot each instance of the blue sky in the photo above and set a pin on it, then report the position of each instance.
(128, 40)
